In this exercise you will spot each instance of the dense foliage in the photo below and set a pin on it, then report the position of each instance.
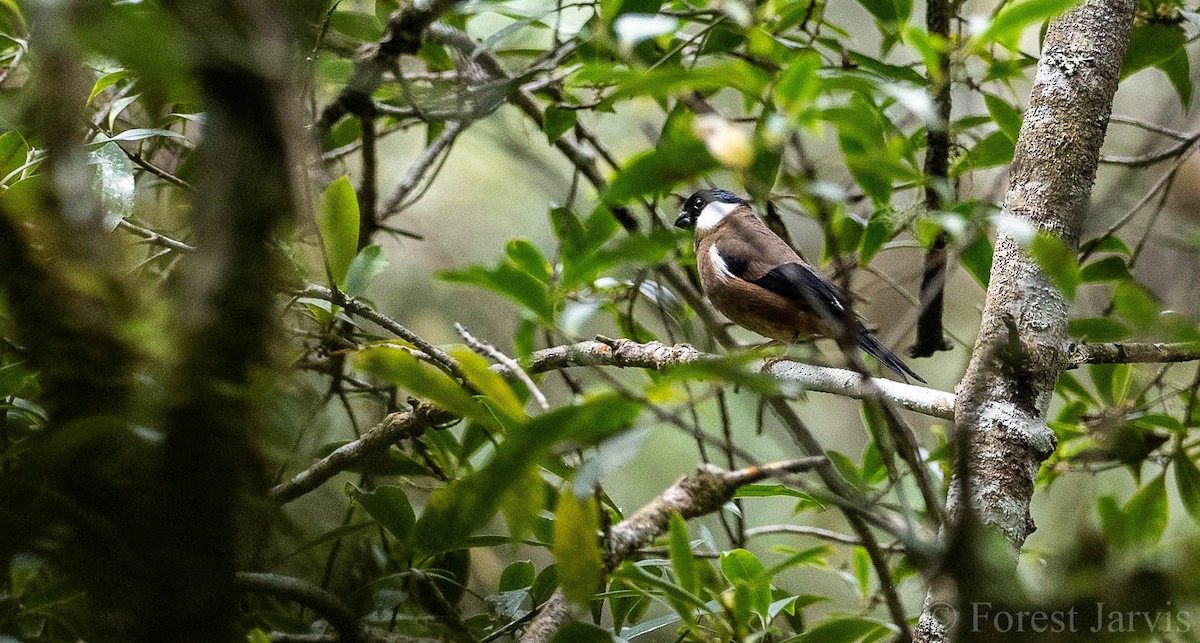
(205, 369)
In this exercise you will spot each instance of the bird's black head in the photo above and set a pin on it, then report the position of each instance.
(700, 200)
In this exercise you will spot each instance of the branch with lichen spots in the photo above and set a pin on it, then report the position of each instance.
(622, 353)
(1132, 353)
(822, 379)
(703, 492)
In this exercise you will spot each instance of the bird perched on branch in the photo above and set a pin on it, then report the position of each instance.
(756, 280)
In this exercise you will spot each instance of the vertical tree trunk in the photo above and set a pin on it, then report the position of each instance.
(1021, 349)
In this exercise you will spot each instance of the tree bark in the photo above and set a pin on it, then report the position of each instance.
(1022, 348)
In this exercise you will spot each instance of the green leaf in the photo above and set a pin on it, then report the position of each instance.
(845, 629)
(799, 84)
(337, 220)
(1007, 26)
(1178, 69)
(1132, 302)
(108, 80)
(877, 232)
(495, 389)
(1007, 117)
(1098, 329)
(889, 12)
(517, 575)
(976, 257)
(399, 367)
(527, 257)
(577, 547)
(510, 281)
(384, 10)
(370, 263)
(1106, 269)
(743, 569)
(114, 182)
(1150, 44)
(581, 632)
(361, 26)
(1146, 513)
(1111, 381)
(992, 150)
(741, 565)
(812, 556)
(556, 121)
(14, 378)
(389, 507)
(660, 170)
(1187, 480)
(684, 601)
(456, 511)
(862, 571)
(1106, 243)
(544, 585)
(13, 152)
(683, 561)
(1058, 262)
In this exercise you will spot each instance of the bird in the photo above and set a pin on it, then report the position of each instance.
(759, 282)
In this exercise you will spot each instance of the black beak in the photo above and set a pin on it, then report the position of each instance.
(682, 221)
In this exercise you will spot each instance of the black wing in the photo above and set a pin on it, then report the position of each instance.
(803, 285)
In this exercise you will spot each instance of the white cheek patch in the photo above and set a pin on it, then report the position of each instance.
(712, 214)
(719, 264)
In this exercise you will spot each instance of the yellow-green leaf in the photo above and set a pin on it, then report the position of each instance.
(337, 220)
(490, 384)
(422, 380)
(577, 547)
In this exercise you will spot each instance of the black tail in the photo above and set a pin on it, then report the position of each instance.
(874, 348)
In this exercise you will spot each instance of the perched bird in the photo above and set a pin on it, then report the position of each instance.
(756, 280)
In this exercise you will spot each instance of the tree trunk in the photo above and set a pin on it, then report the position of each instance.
(1000, 413)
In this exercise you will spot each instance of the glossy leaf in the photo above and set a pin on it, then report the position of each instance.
(337, 220)
(366, 266)
(389, 507)
(1007, 26)
(113, 181)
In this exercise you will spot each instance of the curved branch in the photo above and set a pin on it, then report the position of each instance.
(348, 627)
(703, 492)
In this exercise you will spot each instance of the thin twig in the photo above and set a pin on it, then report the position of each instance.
(438, 357)
(420, 167)
(153, 237)
(487, 350)
(815, 532)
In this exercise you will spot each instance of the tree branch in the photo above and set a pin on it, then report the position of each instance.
(1132, 353)
(622, 353)
(703, 492)
(1000, 411)
(348, 627)
(435, 355)
(402, 35)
